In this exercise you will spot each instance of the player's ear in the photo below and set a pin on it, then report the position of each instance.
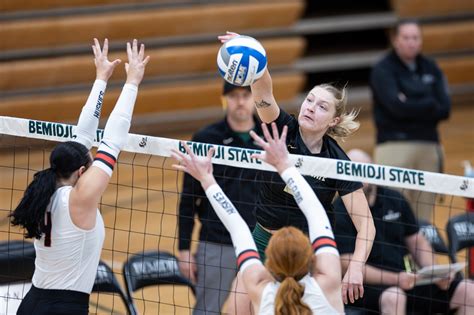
(81, 171)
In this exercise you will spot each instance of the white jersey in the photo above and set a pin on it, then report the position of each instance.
(72, 260)
(313, 297)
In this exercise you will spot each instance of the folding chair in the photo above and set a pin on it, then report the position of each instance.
(432, 235)
(17, 261)
(460, 233)
(106, 281)
(152, 268)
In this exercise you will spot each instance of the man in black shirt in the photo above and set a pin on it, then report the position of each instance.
(410, 97)
(389, 288)
(213, 267)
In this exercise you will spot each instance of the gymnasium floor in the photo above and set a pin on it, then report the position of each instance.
(140, 212)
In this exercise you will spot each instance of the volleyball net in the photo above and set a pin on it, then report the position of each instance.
(140, 211)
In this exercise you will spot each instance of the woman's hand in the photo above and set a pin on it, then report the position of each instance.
(104, 68)
(406, 280)
(199, 168)
(352, 283)
(276, 153)
(137, 62)
(228, 36)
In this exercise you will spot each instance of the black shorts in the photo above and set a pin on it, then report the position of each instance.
(54, 302)
(424, 299)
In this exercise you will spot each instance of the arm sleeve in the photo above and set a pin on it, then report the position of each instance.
(244, 245)
(385, 89)
(116, 130)
(190, 200)
(320, 232)
(89, 119)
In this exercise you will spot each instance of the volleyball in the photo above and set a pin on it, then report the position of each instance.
(241, 60)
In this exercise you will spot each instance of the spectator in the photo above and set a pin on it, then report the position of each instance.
(388, 287)
(213, 268)
(410, 98)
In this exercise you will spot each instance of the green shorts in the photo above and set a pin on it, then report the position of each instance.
(261, 238)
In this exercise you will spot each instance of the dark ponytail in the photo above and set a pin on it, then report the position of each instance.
(65, 159)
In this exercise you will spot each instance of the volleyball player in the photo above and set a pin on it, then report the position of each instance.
(59, 207)
(298, 278)
(322, 116)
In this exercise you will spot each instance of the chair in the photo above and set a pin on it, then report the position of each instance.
(460, 233)
(432, 235)
(17, 261)
(106, 281)
(152, 268)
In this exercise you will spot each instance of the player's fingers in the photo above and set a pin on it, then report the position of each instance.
(177, 152)
(178, 158)
(116, 62)
(257, 138)
(361, 291)
(276, 136)
(129, 51)
(283, 134)
(179, 167)
(135, 47)
(97, 45)
(188, 150)
(105, 49)
(258, 156)
(350, 291)
(95, 52)
(355, 289)
(147, 59)
(344, 293)
(210, 153)
(266, 133)
(141, 53)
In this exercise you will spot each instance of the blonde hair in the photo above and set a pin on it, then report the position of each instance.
(289, 256)
(347, 124)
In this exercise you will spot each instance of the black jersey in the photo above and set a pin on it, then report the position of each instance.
(394, 222)
(276, 207)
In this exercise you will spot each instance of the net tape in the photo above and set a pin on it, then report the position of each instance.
(240, 157)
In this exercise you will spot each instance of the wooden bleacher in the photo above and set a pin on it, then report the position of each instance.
(181, 77)
(430, 8)
(448, 37)
(34, 5)
(167, 97)
(168, 61)
(459, 70)
(151, 23)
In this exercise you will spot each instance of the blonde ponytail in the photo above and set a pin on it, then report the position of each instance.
(347, 124)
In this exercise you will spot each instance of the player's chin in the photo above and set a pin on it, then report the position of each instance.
(306, 123)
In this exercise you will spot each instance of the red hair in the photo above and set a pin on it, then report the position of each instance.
(289, 256)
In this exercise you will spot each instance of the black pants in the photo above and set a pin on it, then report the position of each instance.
(425, 299)
(54, 302)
